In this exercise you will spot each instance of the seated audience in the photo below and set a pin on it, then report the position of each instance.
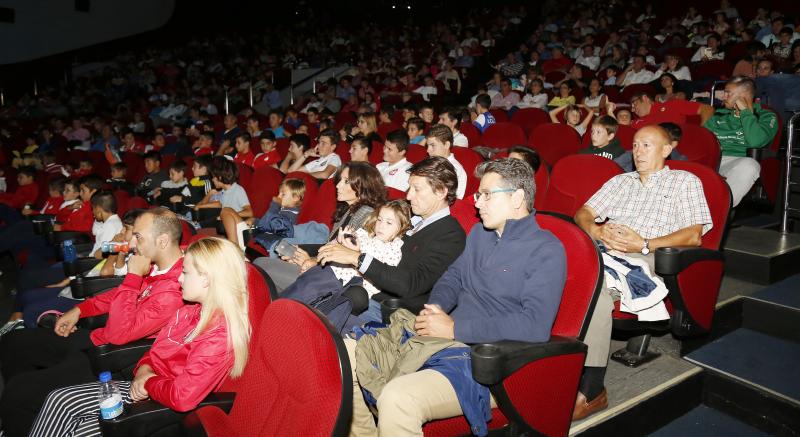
(243, 153)
(482, 118)
(227, 195)
(299, 144)
(327, 161)
(415, 127)
(451, 117)
(154, 176)
(572, 117)
(360, 149)
(603, 139)
(269, 155)
(37, 361)
(205, 342)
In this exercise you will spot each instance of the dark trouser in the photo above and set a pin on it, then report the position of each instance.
(9, 215)
(30, 278)
(27, 350)
(25, 393)
(32, 303)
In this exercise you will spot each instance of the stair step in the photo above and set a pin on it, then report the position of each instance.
(708, 422)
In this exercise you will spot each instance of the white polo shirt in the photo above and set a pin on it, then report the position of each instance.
(395, 175)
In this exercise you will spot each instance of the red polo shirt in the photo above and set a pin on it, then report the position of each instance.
(674, 111)
(267, 159)
(245, 158)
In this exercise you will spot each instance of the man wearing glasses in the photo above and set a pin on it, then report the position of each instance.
(506, 285)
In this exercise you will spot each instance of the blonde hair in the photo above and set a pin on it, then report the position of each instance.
(369, 118)
(400, 208)
(224, 265)
(296, 186)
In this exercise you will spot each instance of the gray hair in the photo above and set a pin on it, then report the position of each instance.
(744, 82)
(516, 174)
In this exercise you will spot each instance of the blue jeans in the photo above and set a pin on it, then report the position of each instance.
(372, 313)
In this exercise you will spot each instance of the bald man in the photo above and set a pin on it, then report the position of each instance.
(642, 210)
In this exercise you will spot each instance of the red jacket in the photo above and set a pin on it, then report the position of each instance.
(24, 194)
(266, 159)
(51, 206)
(80, 220)
(64, 213)
(187, 372)
(138, 308)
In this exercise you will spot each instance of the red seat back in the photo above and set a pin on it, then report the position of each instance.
(472, 134)
(718, 196)
(394, 194)
(138, 202)
(416, 153)
(700, 145)
(502, 135)
(376, 153)
(464, 211)
(630, 90)
(554, 141)
(529, 118)
(324, 205)
(123, 201)
(285, 374)
(500, 115)
(245, 176)
(575, 179)
(264, 186)
(469, 159)
(542, 179)
(310, 197)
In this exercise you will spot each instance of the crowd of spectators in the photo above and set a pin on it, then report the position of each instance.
(175, 128)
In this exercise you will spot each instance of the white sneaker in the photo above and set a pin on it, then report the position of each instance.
(11, 326)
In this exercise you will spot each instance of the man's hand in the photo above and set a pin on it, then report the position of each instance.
(119, 238)
(156, 192)
(65, 325)
(433, 322)
(139, 265)
(343, 238)
(338, 253)
(57, 227)
(138, 392)
(176, 199)
(621, 238)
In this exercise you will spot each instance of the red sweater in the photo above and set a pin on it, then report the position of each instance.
(138, 308)
(266, 159)
(80, 220)
(51, 206)
(187, 372)
(18, 199)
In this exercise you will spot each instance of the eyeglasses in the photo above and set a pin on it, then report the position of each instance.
(488, 195)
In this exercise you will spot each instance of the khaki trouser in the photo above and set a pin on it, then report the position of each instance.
(598, 336)
(405, 404)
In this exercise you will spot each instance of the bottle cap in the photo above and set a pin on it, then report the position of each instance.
(105, 377)
(67, 242)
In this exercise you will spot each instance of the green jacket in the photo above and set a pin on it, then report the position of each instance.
(382, 357)
(750, 130)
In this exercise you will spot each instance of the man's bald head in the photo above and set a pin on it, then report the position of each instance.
(651, 147)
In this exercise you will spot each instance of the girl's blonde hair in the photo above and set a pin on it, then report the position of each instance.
(400, 208)
(223, 264)
(372, 124)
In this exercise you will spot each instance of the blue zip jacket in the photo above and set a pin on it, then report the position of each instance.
(504, 288)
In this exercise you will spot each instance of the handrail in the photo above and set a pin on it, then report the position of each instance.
(714, 88)
(787, 173)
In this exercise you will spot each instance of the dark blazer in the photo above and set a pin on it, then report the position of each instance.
(426, 256)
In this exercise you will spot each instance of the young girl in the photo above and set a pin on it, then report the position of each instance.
(206, 342)
(536, 97)
(381, 239)
(573, 117)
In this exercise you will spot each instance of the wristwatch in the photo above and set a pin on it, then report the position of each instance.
(646, 247)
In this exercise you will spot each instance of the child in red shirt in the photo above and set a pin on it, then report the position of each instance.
(269, 155)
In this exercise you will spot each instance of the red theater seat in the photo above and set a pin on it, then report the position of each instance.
(554, 141)
(574, 180)
(296, 383)
(529, 118)
(502, 135)
(700, 145)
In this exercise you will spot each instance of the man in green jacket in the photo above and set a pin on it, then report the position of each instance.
(740, 126)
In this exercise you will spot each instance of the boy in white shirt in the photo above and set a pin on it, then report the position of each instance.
(394, 168)
(451, 117)
(107, 223)
(439, 140)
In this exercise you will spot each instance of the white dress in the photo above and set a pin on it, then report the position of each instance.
(387, 253)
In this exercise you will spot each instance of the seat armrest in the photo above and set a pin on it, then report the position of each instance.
(494, 362)
(57, 237)
(83, 287)
(148, 417)
(84, 250)
(116, 358)
(81, 265)
(672, 260)
(42, 223)
(390, 305)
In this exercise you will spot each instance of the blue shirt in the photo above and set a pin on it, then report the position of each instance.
(100, 145)
(504, 288)
(483, 121)
(278, 131)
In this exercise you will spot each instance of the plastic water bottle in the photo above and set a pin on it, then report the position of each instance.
(110, 397)
(70, 254)
(114, 247)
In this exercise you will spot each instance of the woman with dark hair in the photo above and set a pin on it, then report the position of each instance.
(359, 191)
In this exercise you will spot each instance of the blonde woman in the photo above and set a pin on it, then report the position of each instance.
(205, 343)
(367, 126)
